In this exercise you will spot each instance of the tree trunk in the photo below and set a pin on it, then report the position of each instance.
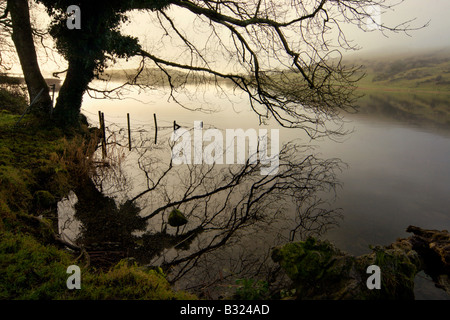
(67, 109)
(22, 37)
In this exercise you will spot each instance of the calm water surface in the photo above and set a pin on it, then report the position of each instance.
(398, 170)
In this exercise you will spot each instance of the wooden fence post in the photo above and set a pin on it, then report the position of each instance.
(156, 127)
(101, 119)
(104, 133)
(129, 132)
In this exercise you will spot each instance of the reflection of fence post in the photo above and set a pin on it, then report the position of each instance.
(156, 128)
(129, 132)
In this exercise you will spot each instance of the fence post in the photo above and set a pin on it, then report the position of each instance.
(129, 132)
(100, 127)
(101, 120)
(104, 133)
(28, 108)
(156, 127)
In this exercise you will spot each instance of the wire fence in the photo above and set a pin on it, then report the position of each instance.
(126, 130)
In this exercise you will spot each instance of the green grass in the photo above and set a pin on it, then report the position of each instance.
(12, 101)
(30, 270)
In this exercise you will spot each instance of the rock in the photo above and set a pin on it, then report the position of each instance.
(433, 247)
(432, 242)
(319, 270)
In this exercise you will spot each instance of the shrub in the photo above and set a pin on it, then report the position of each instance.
(13, 101)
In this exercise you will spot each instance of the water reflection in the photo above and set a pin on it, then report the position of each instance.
(398, 175)
(224, 205)
(423, 110)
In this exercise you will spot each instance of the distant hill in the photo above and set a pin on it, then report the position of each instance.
(411, 87)
(6, 79)
(414, 71)
(157, 77)
(424, 71)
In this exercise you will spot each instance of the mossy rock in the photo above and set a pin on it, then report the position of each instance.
(315, 267)
(176, 218)
(305, 260)
(399, 267)
(321, 271)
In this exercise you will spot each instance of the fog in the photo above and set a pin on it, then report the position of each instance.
(435, 35)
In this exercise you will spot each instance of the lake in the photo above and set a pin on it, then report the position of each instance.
(397, 156)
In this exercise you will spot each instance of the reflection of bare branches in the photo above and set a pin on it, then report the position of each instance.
(230, 209)
(109, 176)
(224, 201)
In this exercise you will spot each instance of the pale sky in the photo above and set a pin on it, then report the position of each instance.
(436, 12)
(433, 12)
(435, 35)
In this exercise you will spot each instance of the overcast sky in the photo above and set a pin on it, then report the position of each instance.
(435, 35)
(436, 12)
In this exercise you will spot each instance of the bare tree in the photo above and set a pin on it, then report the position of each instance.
(285, 55)
(22, 36)
(5, 34)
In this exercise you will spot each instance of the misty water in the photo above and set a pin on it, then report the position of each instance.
(396, 153)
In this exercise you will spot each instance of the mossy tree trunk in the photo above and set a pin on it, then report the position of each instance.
(79, 74)
(22, 37)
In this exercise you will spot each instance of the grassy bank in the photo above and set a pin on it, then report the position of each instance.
(38, 167)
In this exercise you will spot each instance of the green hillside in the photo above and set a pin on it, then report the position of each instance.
(428, 72)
